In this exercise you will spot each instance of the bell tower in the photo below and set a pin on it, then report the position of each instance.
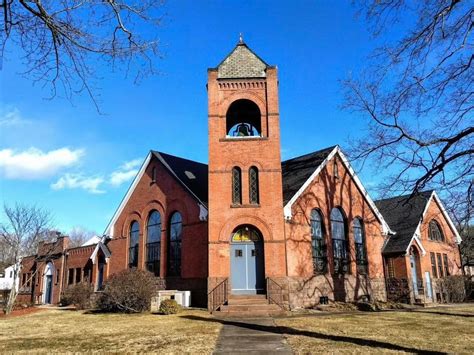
(246, 224)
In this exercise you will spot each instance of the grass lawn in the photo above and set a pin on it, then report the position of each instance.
(71, 331)
(441, 329)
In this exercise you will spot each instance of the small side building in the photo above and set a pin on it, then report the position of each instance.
(424, 248)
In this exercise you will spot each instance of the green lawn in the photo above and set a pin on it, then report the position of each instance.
(441, 329)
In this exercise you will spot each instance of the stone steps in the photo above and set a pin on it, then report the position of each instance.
(248, 306)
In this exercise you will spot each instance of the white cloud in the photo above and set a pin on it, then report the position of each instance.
(79, 181)
(129, 165)
(33, 163)
(11, 117)
(126, 172)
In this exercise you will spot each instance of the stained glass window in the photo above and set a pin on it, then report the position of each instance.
(174, 246)
(133, 249)
(435, 232)
(245, 234)
(236, 186)
(253, 185)
(339, 242)
(318, 243)
(359, 242)
(153, 243)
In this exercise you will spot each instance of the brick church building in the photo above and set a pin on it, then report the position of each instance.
(298, 231)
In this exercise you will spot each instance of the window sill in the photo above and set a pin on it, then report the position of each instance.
(246, 206)
(239, 139)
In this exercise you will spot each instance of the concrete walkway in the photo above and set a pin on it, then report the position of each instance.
(254, 335)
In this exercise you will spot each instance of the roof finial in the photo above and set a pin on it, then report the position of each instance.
(241, 39)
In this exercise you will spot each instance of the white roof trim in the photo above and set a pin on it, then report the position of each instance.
(110, 227)
(417, 239)
(435, 196)
(104, 249)
(109, 231)
(158, 155)
(287, 209)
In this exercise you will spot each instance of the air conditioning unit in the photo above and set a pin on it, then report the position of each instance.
(183, 298)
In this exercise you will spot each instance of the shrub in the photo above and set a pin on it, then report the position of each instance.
(129, 291)
(452, 288)
(78, 295)
(169, 307)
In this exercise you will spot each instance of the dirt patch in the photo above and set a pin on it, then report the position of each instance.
(21, 312)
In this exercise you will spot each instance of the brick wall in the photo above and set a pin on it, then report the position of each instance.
(262, 152)
(324, 194)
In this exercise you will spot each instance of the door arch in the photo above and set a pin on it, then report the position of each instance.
(48, 283)
(247, 261)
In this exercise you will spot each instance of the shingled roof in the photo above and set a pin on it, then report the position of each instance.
(192, 174)
(403, 216)
(296, 171)
(242, 62)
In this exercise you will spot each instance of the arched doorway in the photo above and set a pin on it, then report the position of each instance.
(48, 283)
(416, 278)
(247, 261)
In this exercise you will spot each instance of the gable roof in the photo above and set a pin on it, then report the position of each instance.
(403, 216)
(298, 173)
(242, 62)
(193, 176)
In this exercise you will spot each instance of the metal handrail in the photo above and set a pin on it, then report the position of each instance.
(219, 295)
(275, 288)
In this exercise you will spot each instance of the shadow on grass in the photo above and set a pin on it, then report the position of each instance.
(446, 313)
(291, 331)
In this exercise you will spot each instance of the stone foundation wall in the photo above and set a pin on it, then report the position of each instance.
(305, 292)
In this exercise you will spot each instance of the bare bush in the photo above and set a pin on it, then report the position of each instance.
(129, 291)
(78, 295)
(452, 288)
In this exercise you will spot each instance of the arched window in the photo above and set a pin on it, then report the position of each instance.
(253, 185)
(236, 185)
(318, 243)
(434, 232)
(153, 243)
(243, 119)
(133, 248)
(339, 241)
(153, 174)
(359, 240)
(174, 245)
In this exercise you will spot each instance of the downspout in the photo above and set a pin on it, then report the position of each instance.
(286, 263)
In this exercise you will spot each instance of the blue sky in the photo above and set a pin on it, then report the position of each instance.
(78, 164)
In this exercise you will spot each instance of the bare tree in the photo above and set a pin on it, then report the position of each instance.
(417, 97)
(63, 42)
(24, 227)
(80, 235)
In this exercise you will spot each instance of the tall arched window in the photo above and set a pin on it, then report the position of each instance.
(153, 243)
(339, 241)
(133, 248)
(434, 232)
(236, 185)
(360, 249)
(174, 245)
(253, 186)
(318, 243)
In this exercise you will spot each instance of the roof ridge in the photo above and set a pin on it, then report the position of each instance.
(175, 156)
(311, 153)
(421, 193)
